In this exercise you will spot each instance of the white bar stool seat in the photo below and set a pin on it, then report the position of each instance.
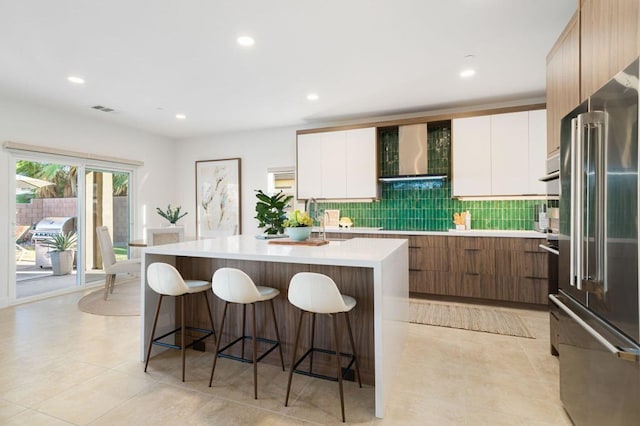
(165, 280)
(318, 294)
(235, 286)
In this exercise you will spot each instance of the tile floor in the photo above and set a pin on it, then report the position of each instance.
(61, 366)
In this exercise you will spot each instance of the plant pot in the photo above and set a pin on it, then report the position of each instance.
(61, 262)
(300, 233)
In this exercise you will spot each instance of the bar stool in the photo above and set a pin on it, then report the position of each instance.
(165, 280)
(234, 286)
(318, 294)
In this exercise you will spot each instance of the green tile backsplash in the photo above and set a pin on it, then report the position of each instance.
(427, 205)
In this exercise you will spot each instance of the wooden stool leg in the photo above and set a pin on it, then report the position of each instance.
(153, 332)
(353, 347)
(275, 325)
(293, 357)
(113, 283)
(255, 348)
(213, 328)
(215, 354)
(339, 368)
(182, 332)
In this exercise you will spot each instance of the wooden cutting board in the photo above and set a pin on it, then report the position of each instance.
(288, 241)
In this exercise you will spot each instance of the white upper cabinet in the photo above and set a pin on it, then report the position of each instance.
(537, 156)
(309, 166)
(471, 156)
(509, 153)
(499, 155)
(334, 165)
(361, 157)
(337, 165)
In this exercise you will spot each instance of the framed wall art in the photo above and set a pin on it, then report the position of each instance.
(218, 198)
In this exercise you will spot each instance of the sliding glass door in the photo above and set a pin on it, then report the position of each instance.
(57, 195)
(46, 206)
(107, 204)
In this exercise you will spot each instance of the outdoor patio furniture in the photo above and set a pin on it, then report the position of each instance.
(21, 231)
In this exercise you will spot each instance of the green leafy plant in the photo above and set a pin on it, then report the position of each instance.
(298, 219)
(60, 242)
(270, 211)
(172, 215)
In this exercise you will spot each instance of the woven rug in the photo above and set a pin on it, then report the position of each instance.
(124, 301)
(487, 319)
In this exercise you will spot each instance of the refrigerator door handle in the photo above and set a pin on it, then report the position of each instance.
(589, 226)
(627, 355)
(576, 196)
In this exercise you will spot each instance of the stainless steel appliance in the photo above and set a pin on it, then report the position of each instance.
(404, 151)
(598, 297)
(552, 178)
(45, 228)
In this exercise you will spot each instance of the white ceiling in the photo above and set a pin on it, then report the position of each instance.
(149, 60)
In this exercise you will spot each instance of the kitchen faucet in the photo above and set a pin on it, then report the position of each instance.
(313, 211)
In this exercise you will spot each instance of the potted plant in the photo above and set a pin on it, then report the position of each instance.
(61, 251)
(172, 215)
(270, 211)
(298, 226)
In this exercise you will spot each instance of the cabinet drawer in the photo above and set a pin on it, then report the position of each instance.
(484, 243)
(527, 264)
(523, 290)
(431, 282)
(473, 285)
(428, 259)
(472, 260)
(518, 244)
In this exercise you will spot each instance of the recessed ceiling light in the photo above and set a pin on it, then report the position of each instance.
(246, 41)
(181, 116)
(467, 73)
(312, 96)
(75, 79)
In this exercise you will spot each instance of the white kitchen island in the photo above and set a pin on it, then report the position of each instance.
(373, 270)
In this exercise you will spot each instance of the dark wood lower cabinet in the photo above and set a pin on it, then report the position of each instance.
(492, 268)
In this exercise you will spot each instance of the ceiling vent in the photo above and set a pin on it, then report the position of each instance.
(102, 108)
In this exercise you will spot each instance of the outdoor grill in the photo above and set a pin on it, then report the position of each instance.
(45, 228)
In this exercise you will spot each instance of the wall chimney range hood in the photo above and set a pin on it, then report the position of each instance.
(412, 156)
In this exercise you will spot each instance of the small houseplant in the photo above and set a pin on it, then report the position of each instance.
(270, 211)
(298, 226)
(61, 251)
(172, 215)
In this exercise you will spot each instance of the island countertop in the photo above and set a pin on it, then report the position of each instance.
(374, 270)
(353, 252)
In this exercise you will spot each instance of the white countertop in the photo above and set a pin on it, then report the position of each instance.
(452, 232)
(353, 252)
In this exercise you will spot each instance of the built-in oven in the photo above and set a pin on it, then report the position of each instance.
(552, 178)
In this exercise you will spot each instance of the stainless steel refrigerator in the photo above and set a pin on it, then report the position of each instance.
(598, 298)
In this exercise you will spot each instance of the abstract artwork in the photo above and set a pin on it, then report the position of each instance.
(218, 198)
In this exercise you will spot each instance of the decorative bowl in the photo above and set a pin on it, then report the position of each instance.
(299, 233)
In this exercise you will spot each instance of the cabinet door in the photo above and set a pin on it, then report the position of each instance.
(471, 156)
(609, 40)
(537, 151)
(361, 163)
(334, 165)
(309, 166)
(563, 80)
(509, 153)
